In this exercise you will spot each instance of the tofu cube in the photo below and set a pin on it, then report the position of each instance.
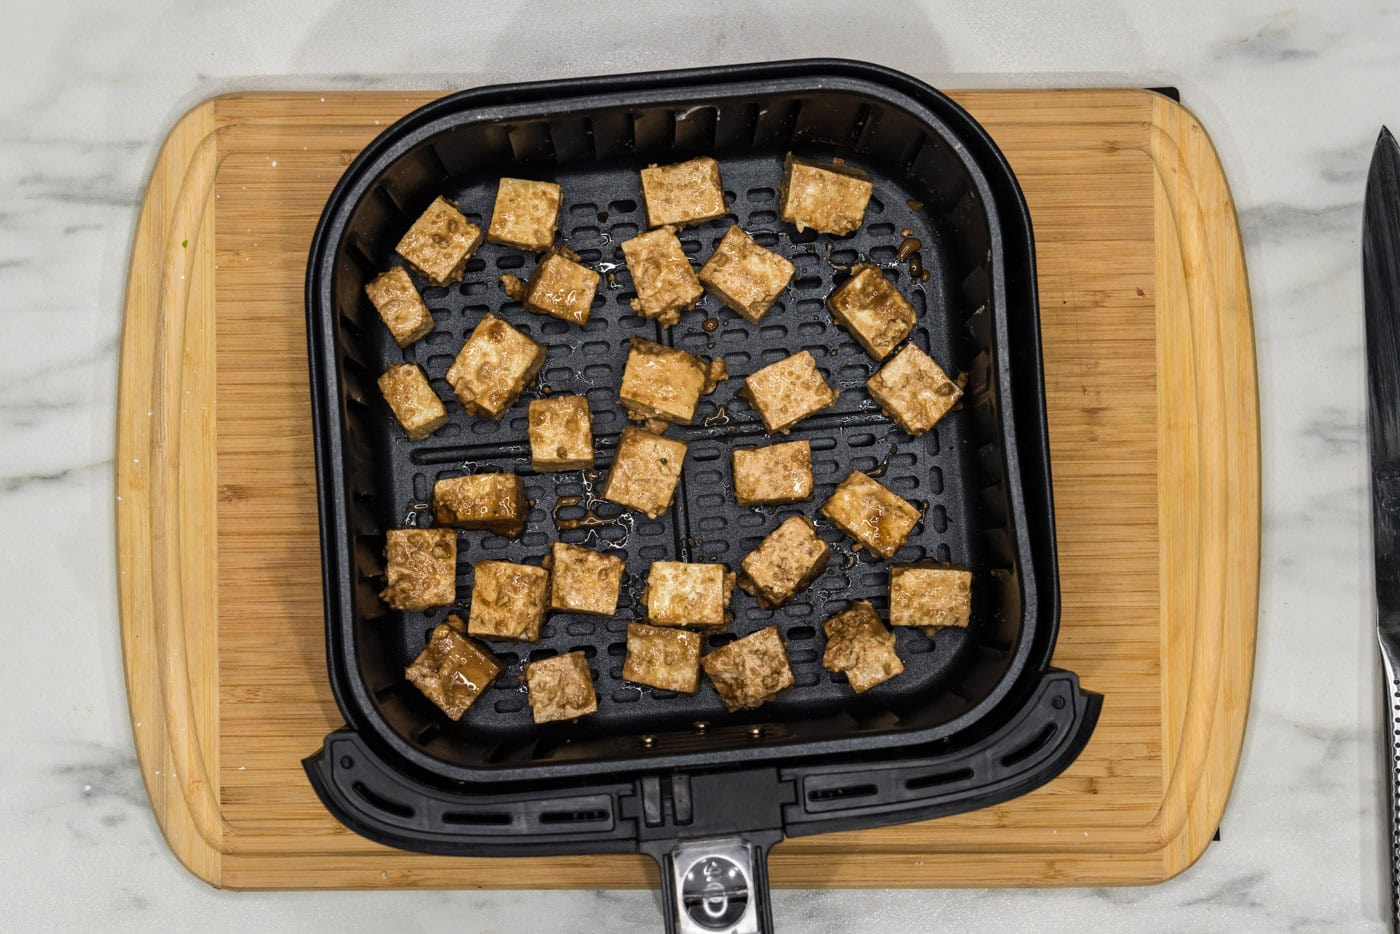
(508, 600)
(561, 688)
(561, 433)
(872, 310)
(876, 517)
(400, 306)
(828, 198)
(415, 404)
(440, 242)
(788, 391)
(859, 646)
(562, 287)
(930, 596)
(582, 580)
(492, 501)
(526, 214)
(745, 276)
(785, 563)
(681, 593)
(773, 475)
(665, 383)
(913, 390)
(645, 471)
(421, 570)
(685, 193)
(453, 670)
(668, 659)
(749, 672)
(661, 274)
(493, 367)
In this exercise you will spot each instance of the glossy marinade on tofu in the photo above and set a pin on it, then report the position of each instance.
(454, 669)
(931, 596)
(785, 392)
(776, 474)
(440, 242)
(582, 580)
(785, 563)
(661, 274)
(684, 193)
(913, 390)
(870, 308)
(526, 214)
(560, 688)
(749, 672)
(414, 403)
(859, 646)
(829, 198)
(508, 600)
(421, 568)
(561, 287)
(875, 516)
(683, 593)
(492, 501)
(665, 383)
(400, 307)
(746, 276)
(493, 367)
(645, 471)
(668, 659)
(561, 433)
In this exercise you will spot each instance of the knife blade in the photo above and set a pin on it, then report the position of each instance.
(1380, 271)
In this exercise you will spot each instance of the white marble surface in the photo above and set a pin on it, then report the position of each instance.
(1293, 98)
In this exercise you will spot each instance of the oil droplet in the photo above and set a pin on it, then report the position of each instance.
(603, 216)
(915, 205)
(721, 417)
(906, 232)
(908, 248)
(710, 325)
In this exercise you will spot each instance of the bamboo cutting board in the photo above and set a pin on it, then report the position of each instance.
(1149, 366)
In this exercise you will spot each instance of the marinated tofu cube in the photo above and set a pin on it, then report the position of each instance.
(913, 390)
(415, 405)
(561, 433)
(930, 596)
(645, 471)
(828, 198)
(684, 193)
(582, 580)
(745, 276)
(508, 600)
(493, 367)
(668, 659)
(749, 672)
(680, 593)
(491, 501)
(788, 391)
(663, 383)
(773, 475)
(561, 687)
(665, 283)
(872, 310)
(785, 563)
(453, 670)
(877, 518)
(421, 570)
(859, 646)
(440, 242)
(400, 306)
(562, 287)
(526, 214)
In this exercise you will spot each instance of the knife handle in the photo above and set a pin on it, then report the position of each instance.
(1392, 719)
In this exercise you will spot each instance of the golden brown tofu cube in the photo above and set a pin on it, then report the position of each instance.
(561, 687)
(859, 646)
(745, 276)
(400, 306)
(493, 367)
(785, 563)
(526, 214)
(440, 242)
(773, 475)
(872, 310)
(421, 570)
(665, 383)
(665, 283)
(415, 405)
(668, 659)
(453, 670)
(930, 596)
(582, 580)
(749, 672)
(876, 517)
(788, 391)
(561, 433)
(645, 471)
(508, 600)
(913, 390)
(681, 593)
(685, 193)
(828, 198)
(491, 501)
(562, 287)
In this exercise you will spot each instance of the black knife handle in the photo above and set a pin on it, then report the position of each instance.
(1392, 719)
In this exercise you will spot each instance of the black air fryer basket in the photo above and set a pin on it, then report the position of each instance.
(976, 718)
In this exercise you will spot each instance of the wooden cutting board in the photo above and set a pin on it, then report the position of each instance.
(1149, 366)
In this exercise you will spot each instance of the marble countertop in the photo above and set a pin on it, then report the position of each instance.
(1293, 99)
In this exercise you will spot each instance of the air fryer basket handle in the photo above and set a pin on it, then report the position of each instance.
(716, 885)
